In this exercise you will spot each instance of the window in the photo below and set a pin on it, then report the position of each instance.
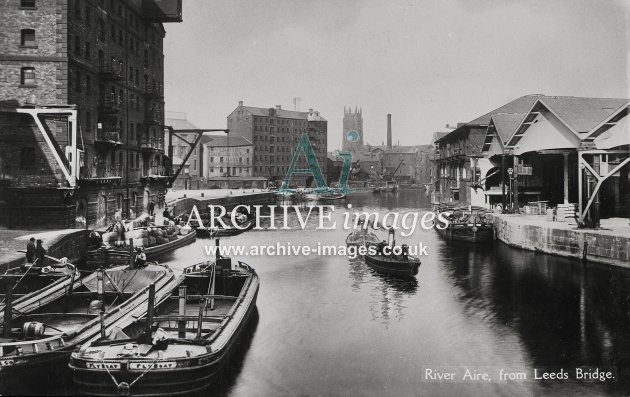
(132, 133)
(27, 3)
(77, 81)
(88, 85)
(101, 29)
(28, 38)
(27, 157)
(212, 159)
(220, 159)
(87, 50)
(195, 166)
(27, 76)
(77, 45)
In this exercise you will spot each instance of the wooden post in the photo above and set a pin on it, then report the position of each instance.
(151, 308)
(212, 281)
(565, 155)
(8, 307)
(503, 182)
(131, 255)
(100, 288)
(100, 292)
(200, 320)
(516, 166)
(181, 324)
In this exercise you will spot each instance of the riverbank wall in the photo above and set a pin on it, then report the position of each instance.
(535, 233)
(184, 205)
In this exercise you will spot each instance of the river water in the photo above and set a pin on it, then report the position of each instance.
(329, 325)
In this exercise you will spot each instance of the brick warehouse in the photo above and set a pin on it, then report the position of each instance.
(102, 59)
(275, 133)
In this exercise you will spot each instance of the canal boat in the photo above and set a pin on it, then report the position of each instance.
(243, 223)
(183, 346)
(36, 345)
(387, 260)
(362, 238)
(469, 224)
(386, 187)
(122, 254)
(29, 287)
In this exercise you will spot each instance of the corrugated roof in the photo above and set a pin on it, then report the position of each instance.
(519, 105)
(222, 140)
(583, 114)
(506, 124)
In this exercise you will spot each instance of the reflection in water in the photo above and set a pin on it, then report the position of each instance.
(566, 314)
(389, 294)
(332, 326)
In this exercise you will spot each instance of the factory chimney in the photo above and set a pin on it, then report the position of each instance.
(389, 131)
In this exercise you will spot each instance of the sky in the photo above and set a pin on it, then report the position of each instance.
(428, 63)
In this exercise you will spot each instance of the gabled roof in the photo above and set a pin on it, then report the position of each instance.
(519, 105)
(582, 114)
(180, 124)
(222, 140)
(437, 135)
(506, 124)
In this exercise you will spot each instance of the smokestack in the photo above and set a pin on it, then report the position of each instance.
(389, 131)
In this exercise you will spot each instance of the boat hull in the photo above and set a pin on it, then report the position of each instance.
(121, 256)
(190, 375)
(404, 269)
(467, 233)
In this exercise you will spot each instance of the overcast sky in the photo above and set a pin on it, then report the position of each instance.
(428, 63)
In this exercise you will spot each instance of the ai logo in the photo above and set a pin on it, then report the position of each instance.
(305, 147)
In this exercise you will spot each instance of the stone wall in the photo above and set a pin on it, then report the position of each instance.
(185, 205)
(595, 246)
(69, 243)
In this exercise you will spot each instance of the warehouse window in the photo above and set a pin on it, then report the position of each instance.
(27, 76)
(28, 38)
(27, 3)
(27, 157)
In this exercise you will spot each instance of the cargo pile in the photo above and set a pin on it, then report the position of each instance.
(142, 232)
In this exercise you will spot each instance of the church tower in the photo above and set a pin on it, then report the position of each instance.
(352, 129)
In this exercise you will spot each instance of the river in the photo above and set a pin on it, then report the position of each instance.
(329, 325)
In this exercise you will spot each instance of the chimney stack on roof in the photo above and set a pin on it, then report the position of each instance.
(240, 103)
(278, 107)
(389, 131)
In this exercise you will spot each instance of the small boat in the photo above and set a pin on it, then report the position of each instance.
(232, 230)
(183, 345)
(362, 238)
(324, 194)
(470, 224)
(385, 259)
(36, 345)
(120, 255)
(31, 286)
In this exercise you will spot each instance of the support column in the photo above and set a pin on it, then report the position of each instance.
(566, 177)
(503, 182)
(515, 207)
